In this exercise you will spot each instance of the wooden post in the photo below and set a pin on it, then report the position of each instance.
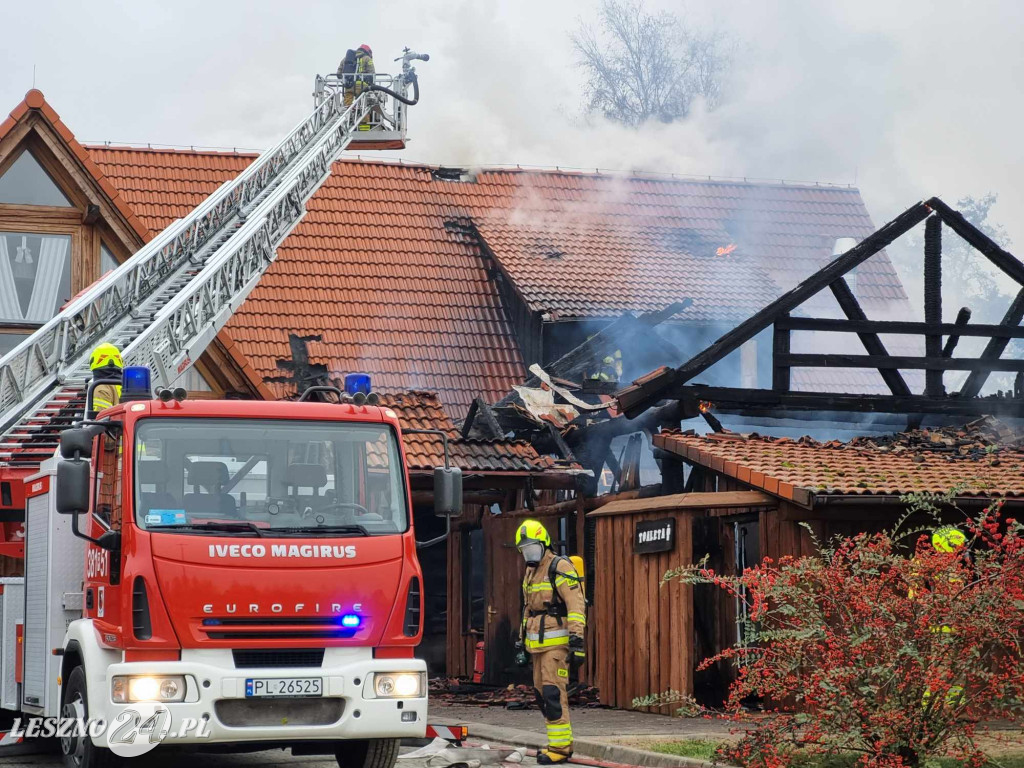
(933, 301)
(781, 374)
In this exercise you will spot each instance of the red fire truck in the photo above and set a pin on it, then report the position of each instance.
(250, 567)
(198, 572)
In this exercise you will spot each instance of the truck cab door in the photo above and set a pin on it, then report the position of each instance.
(110, 500)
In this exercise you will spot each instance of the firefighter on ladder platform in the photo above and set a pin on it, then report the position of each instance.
(551, 633)
(357, 73)
(106, 365)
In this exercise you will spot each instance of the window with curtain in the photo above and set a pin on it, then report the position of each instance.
(35, 276)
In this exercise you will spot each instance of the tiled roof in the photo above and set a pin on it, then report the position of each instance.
(35, 101)
(640, 243)
(388, 268)
(162, 185)
(423, 410)
(800, 470)
(371, 268)
(612, 269)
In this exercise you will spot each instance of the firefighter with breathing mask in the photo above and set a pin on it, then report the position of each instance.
(551, 632)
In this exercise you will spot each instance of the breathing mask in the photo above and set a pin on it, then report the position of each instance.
(532, 553)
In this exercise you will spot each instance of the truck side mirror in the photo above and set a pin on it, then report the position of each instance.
(72, 486)
(76, 442)
(447, 491)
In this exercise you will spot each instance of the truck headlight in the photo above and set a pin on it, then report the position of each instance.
(398, 685)
(125, 689)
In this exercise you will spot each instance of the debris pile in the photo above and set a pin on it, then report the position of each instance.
(976, 439)
(452, 691)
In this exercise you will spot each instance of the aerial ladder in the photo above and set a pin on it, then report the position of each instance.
(165, 304)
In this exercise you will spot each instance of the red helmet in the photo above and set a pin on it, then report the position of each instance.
(366, 49)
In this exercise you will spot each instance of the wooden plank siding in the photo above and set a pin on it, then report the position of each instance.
(641, 631)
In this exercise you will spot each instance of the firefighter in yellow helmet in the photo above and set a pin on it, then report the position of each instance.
(106, 364)
(551, 632)
(950, 540)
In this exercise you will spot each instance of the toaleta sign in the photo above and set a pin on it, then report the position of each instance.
(654, 536)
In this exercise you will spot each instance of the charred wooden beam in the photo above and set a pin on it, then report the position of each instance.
(634, 400)
(897, 326)
(871, 341)
(963, 317)
(556, 438)
(978, 240)
(995, 347)
(667, 415)
(713, 422)
(933, 385)
(781, 375)
(811, 360)
(481, 420)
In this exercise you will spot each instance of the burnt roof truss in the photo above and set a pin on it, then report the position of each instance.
(938, 357)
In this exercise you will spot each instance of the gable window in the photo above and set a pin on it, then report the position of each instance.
(35, 276)
(26, 182)
(107, 261)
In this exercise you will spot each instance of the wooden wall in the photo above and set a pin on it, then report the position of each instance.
(642, 634)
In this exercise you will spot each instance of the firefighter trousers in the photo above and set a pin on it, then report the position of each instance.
(550, 678)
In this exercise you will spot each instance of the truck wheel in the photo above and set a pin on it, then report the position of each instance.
(367, 753)
(78, 749)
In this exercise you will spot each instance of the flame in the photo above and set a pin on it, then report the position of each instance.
(705, 406)
(725, 250)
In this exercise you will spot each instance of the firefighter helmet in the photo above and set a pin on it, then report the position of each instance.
(948, 538)
(531, 531)
(366, 49)
(104, 355)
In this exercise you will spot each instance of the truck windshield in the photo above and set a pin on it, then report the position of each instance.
(224, 477)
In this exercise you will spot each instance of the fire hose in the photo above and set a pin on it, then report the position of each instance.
(411, 77)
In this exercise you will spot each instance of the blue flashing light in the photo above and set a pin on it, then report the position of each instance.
(137, 381)
(351, 621)
(357, 382)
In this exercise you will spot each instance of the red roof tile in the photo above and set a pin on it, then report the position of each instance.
(801, 469)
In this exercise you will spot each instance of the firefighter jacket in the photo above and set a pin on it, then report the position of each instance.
(106, 396)
(549, 621)
(364, 66)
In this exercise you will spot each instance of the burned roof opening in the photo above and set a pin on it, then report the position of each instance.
(692, 242)
(453, 174)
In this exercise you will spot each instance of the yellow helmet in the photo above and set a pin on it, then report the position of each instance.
(531, 530)
(948, 538)
(104, 355)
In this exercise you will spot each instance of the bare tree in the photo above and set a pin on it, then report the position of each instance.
(641, 66)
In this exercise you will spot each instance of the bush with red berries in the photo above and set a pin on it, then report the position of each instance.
(882, 646)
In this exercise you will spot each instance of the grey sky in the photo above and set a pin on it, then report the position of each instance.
(907, 98)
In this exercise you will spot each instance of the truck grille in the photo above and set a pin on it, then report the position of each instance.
(260, 713)
(277, 628)
(252, 658)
